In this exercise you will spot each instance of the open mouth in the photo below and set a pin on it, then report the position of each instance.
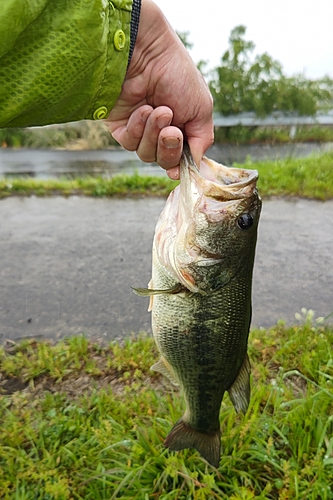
(225, 176)
(223, 183)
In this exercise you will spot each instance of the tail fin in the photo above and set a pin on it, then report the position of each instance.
(183, 436)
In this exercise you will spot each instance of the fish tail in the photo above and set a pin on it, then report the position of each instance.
(183, 436)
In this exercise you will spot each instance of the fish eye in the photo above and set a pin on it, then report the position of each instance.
(245, 221)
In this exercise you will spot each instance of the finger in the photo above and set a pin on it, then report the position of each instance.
(160, 118)
(199, 146)
(200, 137)
(174, 173)
(170, 146)
(129, 134)
(200, 132)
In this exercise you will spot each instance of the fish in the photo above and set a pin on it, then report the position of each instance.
(200, 296)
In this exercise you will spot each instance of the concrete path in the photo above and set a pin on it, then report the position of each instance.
(67, 265)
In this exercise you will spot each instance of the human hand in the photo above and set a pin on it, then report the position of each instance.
(164, 98)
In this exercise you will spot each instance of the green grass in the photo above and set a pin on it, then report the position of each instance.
(120, 185)
(88, 422)
(310, 177)
(272, 135)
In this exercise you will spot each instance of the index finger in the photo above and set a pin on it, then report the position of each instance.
(200, 137)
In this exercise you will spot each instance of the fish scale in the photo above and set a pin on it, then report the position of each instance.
(199, 340)
(203, 256)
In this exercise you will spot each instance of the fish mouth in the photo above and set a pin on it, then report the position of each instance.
(231, 183)
(200, 211)
(216, 180)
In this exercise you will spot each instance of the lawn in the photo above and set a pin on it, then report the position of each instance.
(87, 421)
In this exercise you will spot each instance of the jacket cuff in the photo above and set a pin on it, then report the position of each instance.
(114, 60)
(136, 9)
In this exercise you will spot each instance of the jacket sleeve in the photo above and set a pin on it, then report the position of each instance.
(63, 60)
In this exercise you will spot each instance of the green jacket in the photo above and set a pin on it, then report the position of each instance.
(61, 60)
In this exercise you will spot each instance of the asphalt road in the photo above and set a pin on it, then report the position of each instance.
(67, 265)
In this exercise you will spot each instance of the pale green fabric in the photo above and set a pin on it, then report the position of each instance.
(59, 60)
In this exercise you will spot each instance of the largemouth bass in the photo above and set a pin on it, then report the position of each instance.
(200, 295)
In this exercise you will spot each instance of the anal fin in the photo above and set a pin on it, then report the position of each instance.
(162, 366)
(239, 391)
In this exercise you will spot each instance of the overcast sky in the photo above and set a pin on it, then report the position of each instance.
(298, 33)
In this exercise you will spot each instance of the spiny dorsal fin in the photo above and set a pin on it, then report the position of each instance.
(183, 436)
(239, 392)
(162, 366)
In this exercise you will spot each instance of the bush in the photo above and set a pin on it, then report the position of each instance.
(241, 84)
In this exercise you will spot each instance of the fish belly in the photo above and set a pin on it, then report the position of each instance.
(204, 340)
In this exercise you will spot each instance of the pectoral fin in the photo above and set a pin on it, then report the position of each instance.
(151, 303)
(162, 366)
(146, 292)
(239, 391)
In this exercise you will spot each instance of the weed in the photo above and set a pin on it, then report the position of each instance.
(306, 177)
(91, 421)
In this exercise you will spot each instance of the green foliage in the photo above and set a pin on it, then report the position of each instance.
(239, 134)
(119, 185)
(241, 84)
(34, 359)
(104, 440)
(184, 37)
(13, 138)
(79, 135)
(310, 177)
(314, 134)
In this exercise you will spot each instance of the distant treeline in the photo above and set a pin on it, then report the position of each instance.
(95, 135)
(244, 83)
(77, 135)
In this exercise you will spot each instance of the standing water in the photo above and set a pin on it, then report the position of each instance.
(49, 163)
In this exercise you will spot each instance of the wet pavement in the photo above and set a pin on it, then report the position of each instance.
(67, 265)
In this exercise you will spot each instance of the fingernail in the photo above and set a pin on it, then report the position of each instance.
(173, 173)
(163, 121)
(145, 116)
(171, 142)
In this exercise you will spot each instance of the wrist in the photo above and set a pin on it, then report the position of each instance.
(154, 41)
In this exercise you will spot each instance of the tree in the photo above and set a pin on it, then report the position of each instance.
(242, 84)
(183, 35)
